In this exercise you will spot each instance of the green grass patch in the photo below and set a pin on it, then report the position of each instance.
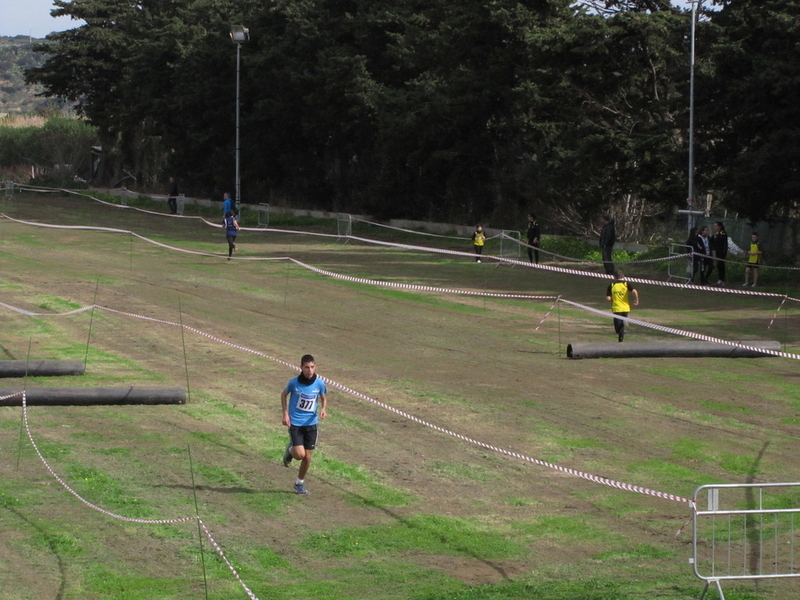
(689, 449)
(727, 407)
(63, 544)
(572, 443)
(472, 472)
(399, 580)
(737, 463)
(126, 585)
(669, 473)
(55, 304)
(371, 493)
(639, 552)
(435, 534)
(593, 589)
(8, 500)
(568, 527)
(216, 475)
(101, 489)
(522, 502)
(418, 298)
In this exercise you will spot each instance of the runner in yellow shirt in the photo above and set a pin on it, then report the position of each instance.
(478, 240)
(754, 257)
(618, 294)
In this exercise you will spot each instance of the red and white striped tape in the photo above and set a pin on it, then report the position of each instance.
(775, 316)
(673, 330)
(410, 417)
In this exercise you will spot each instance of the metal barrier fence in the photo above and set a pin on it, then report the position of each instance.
(746, 531)
(510, 244)
(677, 269)
(263, 214)
(344, 226)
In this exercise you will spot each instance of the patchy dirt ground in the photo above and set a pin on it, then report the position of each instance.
(478, 367)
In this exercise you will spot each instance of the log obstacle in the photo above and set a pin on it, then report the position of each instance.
(93, 396)
(41, 368)
(668, 349)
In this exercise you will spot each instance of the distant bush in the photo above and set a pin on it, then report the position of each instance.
(57, 150)
(569, 246)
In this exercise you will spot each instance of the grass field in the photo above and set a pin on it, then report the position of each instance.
(397, 510)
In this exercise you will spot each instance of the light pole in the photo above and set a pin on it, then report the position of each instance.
(239, 35)
(690, 191)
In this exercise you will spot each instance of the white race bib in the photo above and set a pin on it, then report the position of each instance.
(307, 403)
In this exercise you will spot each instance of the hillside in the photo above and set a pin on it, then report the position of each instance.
(17, 55)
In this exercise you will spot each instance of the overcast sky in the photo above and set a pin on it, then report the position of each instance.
(32, 17)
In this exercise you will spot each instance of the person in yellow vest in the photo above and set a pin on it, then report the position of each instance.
(618, 294)
(754, 257)
(478, 240)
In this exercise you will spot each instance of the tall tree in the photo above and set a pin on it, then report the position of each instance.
(750, 102)
(611, 102)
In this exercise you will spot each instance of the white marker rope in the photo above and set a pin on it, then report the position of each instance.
(427, 249)
(410, 417)
(579, 272)
(29, 188)
(415, 287)
(437, 235)
(690, 334)
(597, 262)
(141, 237)
(418, 287)
(108, 513)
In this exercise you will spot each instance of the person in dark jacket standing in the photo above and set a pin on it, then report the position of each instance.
(719, 250)
(533, 234)
(702, 255)
(172, 199)
(608, 238)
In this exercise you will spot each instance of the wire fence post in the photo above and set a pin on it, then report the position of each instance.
(263, 215)
(344, 227)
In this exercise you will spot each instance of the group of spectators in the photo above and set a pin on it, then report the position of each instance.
(711, 251)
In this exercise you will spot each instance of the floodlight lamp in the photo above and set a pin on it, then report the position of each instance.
(239, 34)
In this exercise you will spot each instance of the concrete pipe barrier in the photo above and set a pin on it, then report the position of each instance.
(94, 396)
(41, 368)
(668, 349)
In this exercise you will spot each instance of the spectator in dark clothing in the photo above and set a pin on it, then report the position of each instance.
(608, 238)
(719, 250)
(702, 255)
(172, 199)
(533, 234)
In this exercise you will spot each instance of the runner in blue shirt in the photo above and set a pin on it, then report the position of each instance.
(231, 230)
(304, 402)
